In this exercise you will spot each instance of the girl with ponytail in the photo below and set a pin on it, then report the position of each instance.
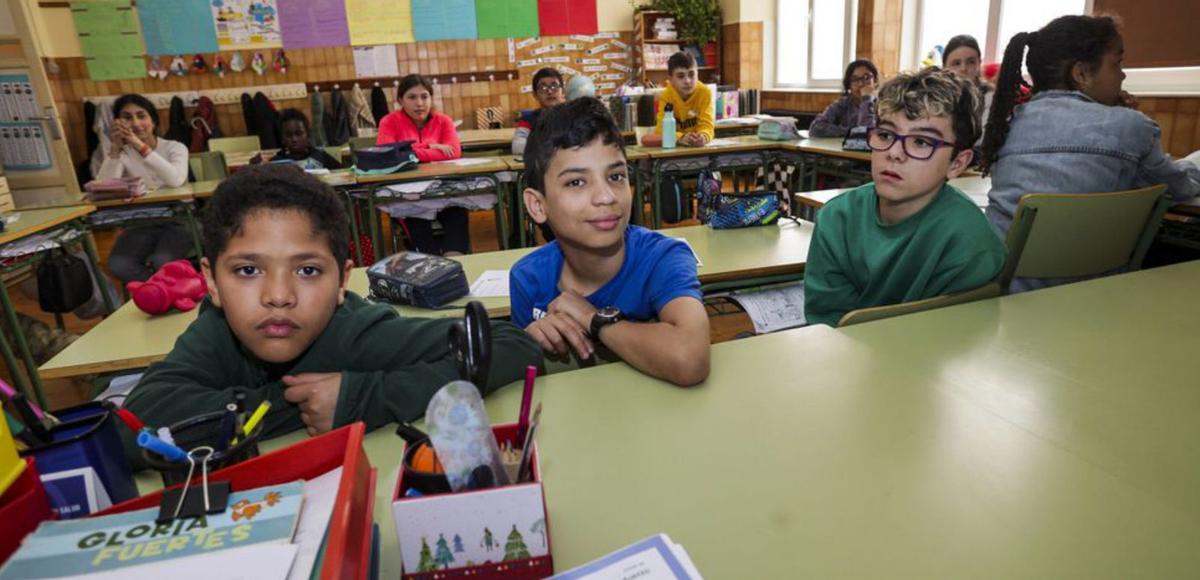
(1078, 133)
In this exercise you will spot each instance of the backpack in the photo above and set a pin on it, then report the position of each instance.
(64, 282)
(722, 212)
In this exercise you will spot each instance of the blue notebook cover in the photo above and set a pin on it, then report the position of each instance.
(70, 547)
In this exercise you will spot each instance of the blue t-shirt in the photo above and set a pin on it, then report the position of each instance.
(657, 270)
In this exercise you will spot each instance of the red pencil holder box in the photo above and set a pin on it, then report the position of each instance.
(501, 532)
(23, 506)
(347, 552)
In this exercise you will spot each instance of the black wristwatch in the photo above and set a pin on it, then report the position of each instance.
(604, 317)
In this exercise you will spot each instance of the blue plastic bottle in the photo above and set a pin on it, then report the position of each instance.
(668, 128)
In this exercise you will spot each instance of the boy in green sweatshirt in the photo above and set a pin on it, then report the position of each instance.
(909, 235)
(280, 326)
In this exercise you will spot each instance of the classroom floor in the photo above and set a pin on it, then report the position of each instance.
(726, 325)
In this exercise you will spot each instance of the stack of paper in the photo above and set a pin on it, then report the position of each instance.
(656, 557)
(122, 188)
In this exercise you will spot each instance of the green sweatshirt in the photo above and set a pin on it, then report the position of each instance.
(855, 261)
(391, 367)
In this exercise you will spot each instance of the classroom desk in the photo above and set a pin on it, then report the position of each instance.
(1189, 207)
(976, 187)
(30, 222)
(1026, 436)
(732, 154)
(131, 339)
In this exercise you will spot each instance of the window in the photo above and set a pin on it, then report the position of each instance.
(814, 40)
(992, 22)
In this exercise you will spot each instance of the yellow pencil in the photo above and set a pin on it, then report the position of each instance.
(257, 416)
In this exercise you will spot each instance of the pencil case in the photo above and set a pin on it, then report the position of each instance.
(418, 279)
(200, 431)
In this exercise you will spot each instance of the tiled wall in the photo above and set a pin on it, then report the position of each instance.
(742, 54)
(797, 101)
(71, 84)
(879, 23)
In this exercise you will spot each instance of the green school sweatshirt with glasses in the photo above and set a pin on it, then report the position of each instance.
(855, 261)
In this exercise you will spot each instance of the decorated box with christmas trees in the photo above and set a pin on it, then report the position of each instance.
(500, 532)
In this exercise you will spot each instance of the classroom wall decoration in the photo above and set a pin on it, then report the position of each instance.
(506, 18)
(108, 35)
(443, 19)
(171, 27)
(564, 17)
(313, 23)
(379, 21)
(246, 24)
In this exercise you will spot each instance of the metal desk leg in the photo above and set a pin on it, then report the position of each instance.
(89, 246)
(351, 211)
(373, 219)
(501, 211)
(656, 200)
(30, 367)
(639, 201)
(14, 368)
(193, 226)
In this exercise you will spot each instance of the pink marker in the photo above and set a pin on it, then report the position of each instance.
(526, 402)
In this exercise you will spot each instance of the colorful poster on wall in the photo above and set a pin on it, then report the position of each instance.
(313, 23)
(567, 17)
(108, 35)
(506, 18)
(246, 24)
(443, 19)
(172, 27)
(379, 21)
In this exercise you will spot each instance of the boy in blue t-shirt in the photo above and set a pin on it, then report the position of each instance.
(602, 280)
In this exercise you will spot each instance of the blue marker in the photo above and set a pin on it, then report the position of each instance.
(148, 441)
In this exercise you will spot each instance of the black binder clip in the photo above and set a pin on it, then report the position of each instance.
(212, 499)
(471, 343)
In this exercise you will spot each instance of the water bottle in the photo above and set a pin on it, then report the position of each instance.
(668, 128)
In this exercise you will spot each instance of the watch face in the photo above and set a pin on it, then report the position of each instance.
(609, 312)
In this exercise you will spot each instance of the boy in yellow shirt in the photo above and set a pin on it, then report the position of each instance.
(692, 103)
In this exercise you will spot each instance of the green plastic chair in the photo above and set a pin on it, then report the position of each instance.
(1058, 235)
(208, 166)
(235, 144)
(989, 290)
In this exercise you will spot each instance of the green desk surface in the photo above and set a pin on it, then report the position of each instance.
(33, 221)
(830, 146)
(467, 166)
(131, 339)
(1051, 434)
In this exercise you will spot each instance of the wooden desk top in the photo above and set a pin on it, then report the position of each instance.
(1025, 436)
(131, 339)
(976, 187)
(718, 146)
(830, 146)
(34, 221)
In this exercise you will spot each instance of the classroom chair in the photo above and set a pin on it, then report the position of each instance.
(1057, 235)
(208, 166)
(989, 290)
(235, 144)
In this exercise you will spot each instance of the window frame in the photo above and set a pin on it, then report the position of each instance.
(849, 44)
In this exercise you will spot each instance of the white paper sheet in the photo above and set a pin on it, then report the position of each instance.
(375, 61)
(258, 562)
(465, 161)
(775, 308)
(319, 495)
(492, 283)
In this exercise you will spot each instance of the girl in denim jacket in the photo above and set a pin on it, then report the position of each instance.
(1079, 132)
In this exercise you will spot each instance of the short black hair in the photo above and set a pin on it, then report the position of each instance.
(291, 114)
(275, 187)
(566, 126)
(137, 101)
(545, 73)
(680, 59)
(850, 71)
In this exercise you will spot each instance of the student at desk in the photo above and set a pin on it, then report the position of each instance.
(691, 103)
(434, 139)
(280, 326)
(548, 90)
(855, 108)
(297, 147)
(909, 235)
(137, 151)
(1080, 133)
(603, 281)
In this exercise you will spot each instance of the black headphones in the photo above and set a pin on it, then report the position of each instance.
(471, 343)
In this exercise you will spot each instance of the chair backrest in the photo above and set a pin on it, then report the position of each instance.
(208, 165)
(989, 290)
(235, 144)
(1057, 235)
(357, 143)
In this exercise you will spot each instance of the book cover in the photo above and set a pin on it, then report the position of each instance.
(65, 548)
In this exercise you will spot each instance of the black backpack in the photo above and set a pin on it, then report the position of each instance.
(64, 282)
(676, 200)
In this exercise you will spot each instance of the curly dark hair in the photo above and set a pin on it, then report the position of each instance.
(276, 187)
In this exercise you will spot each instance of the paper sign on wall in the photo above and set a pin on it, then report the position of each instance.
(313, 23)
(108, 35)
(246, 24)
(506, 18)
(566, 17)
(443, 19)
(379, 21)
(171, 27)
(375, 61)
